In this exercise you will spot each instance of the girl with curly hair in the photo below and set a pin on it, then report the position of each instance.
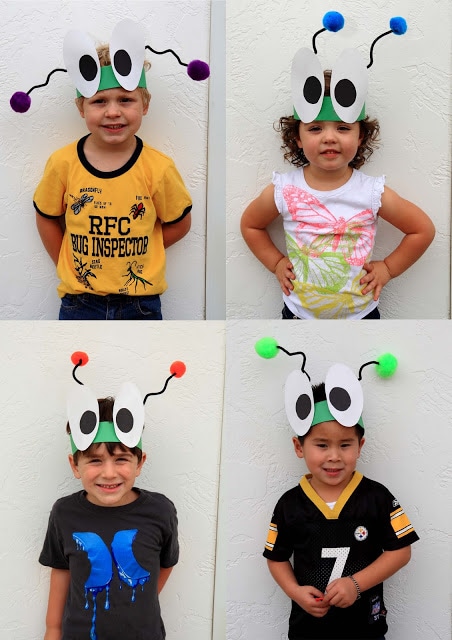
(330, 211)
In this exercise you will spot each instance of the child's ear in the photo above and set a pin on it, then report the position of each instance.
(141, 463)
(79, 104)
(298, 447)
(74, 467)
(362, 441)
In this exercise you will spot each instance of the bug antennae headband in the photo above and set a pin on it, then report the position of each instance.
(344, 395)
(349, 78)
(128, 411)
(127, 51)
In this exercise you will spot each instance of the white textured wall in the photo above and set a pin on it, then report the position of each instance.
(408, 445)
(32, 36)
(182, 439)
(409, 92)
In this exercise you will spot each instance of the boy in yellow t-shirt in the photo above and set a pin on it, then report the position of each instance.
(109, 205)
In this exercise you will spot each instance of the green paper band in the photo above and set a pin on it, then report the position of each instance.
(108, 80)
(328, 114)
(322, 413)
(105, 433)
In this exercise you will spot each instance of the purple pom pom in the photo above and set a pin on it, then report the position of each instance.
(20, 102)
(198, 70)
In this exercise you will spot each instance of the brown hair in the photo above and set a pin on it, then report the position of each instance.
(106, 415)
(289, 127)
(103, 52)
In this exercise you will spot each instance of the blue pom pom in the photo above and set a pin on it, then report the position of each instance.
(333, 21)
(20, 102)
(398, 25)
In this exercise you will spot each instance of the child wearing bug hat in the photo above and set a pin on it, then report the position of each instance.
(109, 205)
(330, 208)
(111, 547)
(347, 533)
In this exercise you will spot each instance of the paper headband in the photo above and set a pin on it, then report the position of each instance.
(349, 78)
(344, 395)
(128, 411)
(127, 52)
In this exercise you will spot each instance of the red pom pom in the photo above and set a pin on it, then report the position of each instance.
(79, 358)
(178, 369)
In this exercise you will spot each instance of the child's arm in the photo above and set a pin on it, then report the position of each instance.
(51, 232)
(163, 577)
(419, 232)
(255, 220)
(59, 587)
(174, 231)
(343, 593)
(309, 598)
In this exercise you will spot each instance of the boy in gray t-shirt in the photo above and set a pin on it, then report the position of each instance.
(112, 546)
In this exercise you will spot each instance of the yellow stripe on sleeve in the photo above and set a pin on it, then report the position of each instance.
(271, 537)
(400, 523)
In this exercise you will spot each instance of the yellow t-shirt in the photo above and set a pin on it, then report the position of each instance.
(113, 241)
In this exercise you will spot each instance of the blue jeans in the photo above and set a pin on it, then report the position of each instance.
(87, 306)
(287, 314)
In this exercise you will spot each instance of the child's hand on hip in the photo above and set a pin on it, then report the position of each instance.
(285, 274)
(312, 601)
(376, 278)
(341, 593)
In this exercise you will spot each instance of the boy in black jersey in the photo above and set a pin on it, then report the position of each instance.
(346, 533)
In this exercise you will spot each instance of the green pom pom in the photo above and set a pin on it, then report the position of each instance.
(266, 348)
(388, 365)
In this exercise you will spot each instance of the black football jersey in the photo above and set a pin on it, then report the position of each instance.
(330, 543)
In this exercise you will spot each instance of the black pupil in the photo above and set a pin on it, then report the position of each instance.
(345, 93)
(124, 420)
(122, 62)
(340, 398)
(88, 422)
(303, 406)
(88, 67)
(312, 90)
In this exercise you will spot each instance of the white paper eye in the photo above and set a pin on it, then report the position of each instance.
(344, 395)
(348, 88)
(128, 415)
(299, 402)
(83, 416)
(308, 85)
(82, 62)
(127, 49)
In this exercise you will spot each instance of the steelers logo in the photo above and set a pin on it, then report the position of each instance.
(361, 533)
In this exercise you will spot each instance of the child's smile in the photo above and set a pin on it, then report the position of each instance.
(113, 116)
(329, 146)
(330, 452)
(108, 480)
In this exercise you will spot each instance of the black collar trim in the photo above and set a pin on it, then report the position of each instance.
(108, 174)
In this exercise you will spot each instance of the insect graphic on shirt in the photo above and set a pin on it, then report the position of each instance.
(132, 277)
(80, 203)
(137, 210)
(319, 230)
(83, 273)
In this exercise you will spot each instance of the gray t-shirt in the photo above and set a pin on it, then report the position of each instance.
(114, 555)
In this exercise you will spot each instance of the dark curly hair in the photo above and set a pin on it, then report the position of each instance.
(106, 415)
(289, 128)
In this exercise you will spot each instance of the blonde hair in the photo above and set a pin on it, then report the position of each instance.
(103, 53)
